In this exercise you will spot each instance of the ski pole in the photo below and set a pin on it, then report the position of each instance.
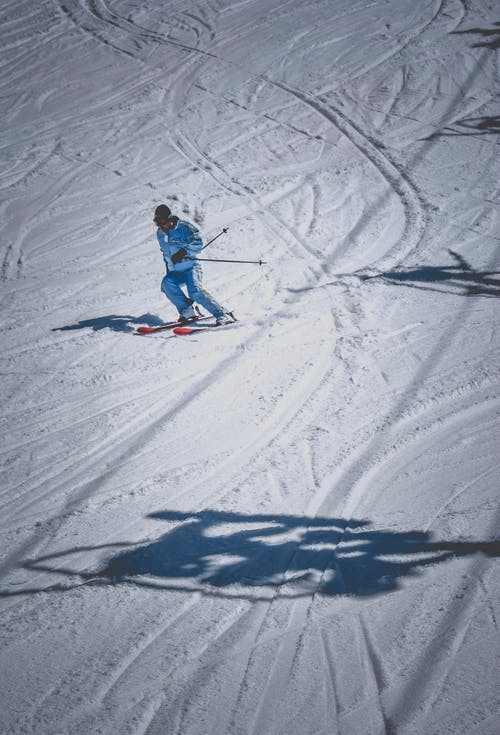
(223, 232)
(219, 260)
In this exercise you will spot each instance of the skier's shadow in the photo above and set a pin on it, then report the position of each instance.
(253, 556)
(115, 322)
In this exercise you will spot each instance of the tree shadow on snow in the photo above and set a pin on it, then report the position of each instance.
(258, 556)
(486, 125)
(117, 323)
(491, 36)
(459, 278)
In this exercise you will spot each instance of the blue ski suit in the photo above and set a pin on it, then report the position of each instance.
(186, 272)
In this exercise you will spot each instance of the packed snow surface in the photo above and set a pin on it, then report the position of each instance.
(288, 527)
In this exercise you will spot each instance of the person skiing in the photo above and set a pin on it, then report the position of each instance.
(180, 243)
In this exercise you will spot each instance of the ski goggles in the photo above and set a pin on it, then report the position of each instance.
(161, 222)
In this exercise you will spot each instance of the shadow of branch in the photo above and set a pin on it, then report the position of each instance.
(491, 34)
(459, 278)
(257, 556)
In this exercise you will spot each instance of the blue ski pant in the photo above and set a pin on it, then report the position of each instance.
(192, 280)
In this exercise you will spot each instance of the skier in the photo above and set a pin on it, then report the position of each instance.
(180, 243)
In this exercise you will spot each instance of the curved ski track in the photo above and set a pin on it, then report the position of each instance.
(256, 646)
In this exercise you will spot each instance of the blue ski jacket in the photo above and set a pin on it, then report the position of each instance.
(183, 235)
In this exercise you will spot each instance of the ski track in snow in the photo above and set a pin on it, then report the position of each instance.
(302, 125)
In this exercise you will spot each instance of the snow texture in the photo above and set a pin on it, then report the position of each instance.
(288, 528)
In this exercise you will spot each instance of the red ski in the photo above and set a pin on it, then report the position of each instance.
(184, 330)
(169, 325)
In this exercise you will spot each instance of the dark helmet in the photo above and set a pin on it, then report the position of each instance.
(162, 212)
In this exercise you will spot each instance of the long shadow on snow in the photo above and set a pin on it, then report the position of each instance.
(117, 323)
(485, 125)
(253, 556)
(460, 278)
(491, 34)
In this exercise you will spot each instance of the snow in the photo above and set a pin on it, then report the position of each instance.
(290, 526)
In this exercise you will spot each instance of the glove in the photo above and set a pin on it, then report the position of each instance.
(178, 256)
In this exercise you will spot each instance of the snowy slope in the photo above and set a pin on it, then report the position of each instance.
(290, 526)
